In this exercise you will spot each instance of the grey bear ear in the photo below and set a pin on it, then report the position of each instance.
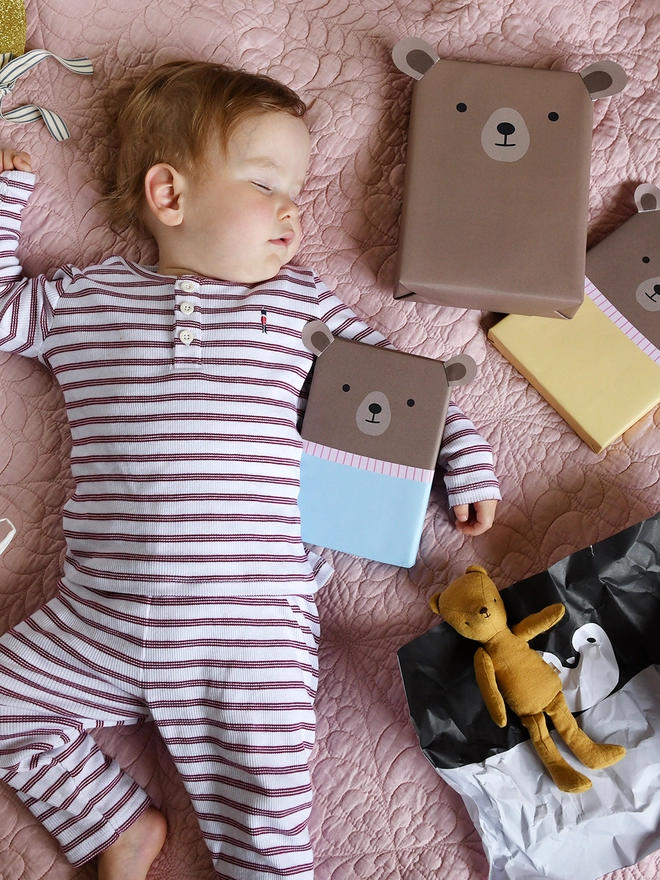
(414, 56)
(460, 369)
(604, 78)
(647, 197)
(316, 337)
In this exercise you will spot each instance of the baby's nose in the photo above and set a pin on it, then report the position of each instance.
(289, 209)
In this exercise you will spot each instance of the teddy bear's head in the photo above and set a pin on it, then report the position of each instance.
(472, 605)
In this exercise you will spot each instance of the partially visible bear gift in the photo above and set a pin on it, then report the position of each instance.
(371, 436)
(600, 371)
(497, 178)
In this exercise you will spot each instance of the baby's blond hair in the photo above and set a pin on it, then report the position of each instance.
(174, 114)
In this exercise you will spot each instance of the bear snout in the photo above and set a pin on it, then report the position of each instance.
(373, 415)
(505, 136)
(648, 294)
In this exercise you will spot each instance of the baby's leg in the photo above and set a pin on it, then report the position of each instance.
(55, 685)
(131, 855)
(233, 687)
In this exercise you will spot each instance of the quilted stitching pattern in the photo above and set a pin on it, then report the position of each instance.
(381, 812)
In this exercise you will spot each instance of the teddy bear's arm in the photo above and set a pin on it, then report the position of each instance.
(485, 673)
(539, 622)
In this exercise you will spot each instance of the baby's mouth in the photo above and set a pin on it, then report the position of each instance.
(285, 240)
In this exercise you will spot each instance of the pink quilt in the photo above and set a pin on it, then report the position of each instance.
(381, 812)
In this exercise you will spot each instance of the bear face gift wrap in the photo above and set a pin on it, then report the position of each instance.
(496, 189)
(371, 436)
(625, 269)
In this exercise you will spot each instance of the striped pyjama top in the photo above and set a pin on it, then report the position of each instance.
(187, 596)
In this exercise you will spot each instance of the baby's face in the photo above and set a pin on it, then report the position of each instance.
(242, 216)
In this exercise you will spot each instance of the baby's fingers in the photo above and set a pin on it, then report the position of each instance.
(16, 161)
(475, 519)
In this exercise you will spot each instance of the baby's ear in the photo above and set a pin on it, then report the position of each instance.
(163, 188)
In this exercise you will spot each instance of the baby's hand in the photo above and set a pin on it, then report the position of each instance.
(475, 519)
(13, 161)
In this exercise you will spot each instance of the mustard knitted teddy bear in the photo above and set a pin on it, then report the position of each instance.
(510, 673)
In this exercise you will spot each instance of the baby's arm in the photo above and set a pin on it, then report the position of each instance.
(26, 304)
(472, 487)
(466, 457)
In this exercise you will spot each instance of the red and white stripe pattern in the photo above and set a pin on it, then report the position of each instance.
(186, 456)
(183, 414)
(467, 460)
(230, 683)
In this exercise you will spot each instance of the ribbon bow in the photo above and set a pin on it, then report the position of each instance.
(12, 68)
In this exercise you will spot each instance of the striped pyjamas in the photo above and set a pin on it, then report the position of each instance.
(183, 395)
(230, 684)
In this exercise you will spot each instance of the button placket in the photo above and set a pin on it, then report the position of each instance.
(187, 330)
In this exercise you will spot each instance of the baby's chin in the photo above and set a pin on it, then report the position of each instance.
(267, 270)
(256, 277)
(251, 270)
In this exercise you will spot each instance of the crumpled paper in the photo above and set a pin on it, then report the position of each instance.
(608, 648)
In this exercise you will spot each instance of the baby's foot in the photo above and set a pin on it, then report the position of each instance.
(131, 855)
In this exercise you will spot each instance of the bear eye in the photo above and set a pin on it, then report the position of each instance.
(467, 622)
(646, 259)
(461, 107)
(410, 402)
(345, 387)
(553, 117)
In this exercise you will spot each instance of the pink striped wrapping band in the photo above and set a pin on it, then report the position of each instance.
(621, 321)
(364, 463)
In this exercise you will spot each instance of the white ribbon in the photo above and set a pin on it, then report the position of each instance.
(6, 541)
(12, 68)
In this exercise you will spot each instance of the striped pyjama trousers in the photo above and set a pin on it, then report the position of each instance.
(230, 683)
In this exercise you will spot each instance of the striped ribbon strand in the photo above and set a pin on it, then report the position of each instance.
(11, 69)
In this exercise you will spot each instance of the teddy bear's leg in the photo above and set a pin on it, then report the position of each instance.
(565, 777)
(593, 755)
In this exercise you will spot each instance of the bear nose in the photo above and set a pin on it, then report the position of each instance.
(506, 128)
(484, 611)
(375, 408)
